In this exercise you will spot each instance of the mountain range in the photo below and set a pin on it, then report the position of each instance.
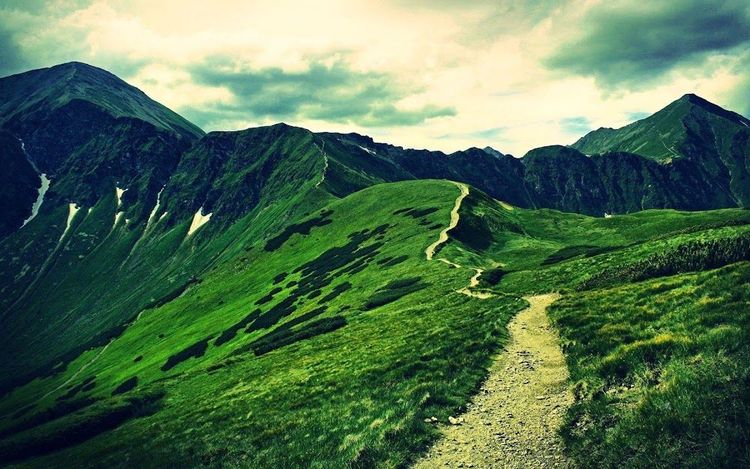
(132, 242)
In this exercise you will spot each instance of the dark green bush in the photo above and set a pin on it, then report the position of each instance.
(299, 228)
(194, 351)
(78, 427)
(337, 290)
(687, 257)
(569, 252)
(231, 332)
(393, 291)
(127, 385)
(284, 336)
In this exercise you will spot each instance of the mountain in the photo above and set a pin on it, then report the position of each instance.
(702, 140)
(87, 130)
(278, 342)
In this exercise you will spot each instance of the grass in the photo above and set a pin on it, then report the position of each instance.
(331, 349)
(656, 341)
(334, 394)
(661, 371)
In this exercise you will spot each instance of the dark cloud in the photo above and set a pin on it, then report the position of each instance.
(11, 59)
(576, 125)
(739, 99)
(630, 42)
(333, 93)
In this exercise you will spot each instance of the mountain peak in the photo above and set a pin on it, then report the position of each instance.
(697, 101)
(48, 89)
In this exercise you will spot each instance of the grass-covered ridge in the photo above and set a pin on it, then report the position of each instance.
(312, 376)
(329, 342)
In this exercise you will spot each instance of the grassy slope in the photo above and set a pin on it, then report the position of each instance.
(67, 310)
(357, 395)
(660, 367)
(661, 371)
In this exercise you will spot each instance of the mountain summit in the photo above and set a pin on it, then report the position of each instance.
(711, 143)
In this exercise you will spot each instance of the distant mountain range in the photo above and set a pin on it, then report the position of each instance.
(88, 130)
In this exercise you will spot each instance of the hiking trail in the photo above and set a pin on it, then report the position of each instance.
(430, 251)
(513, 420)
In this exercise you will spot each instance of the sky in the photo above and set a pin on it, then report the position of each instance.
(438, 74)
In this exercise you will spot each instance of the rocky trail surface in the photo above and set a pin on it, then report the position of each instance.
(513, 419)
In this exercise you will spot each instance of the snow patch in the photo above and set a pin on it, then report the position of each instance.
(119, 193)
(163, 215)
(72, 210)
(39, 198)
(156, 207)
(367, 150)
(607, 215)
(198, 220)
(118, 215)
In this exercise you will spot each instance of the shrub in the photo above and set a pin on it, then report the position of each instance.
(59, 410)
(491, 277)
(395, 261)
(415, 212)
(393, 291)
(569, 252)
(337, 290)
(231, 332)
(687, 257)
(194, 351)
(299, 228)
(81, 387)
(127, 385)
(79, 427)
(284, 336)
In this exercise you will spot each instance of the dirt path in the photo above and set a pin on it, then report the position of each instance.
(473, 283)
(430, 251)
(512, 421)
(325, 163)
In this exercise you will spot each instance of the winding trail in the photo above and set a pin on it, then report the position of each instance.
(513, 420)
(430, 251)
(473, 283)
(325, 163)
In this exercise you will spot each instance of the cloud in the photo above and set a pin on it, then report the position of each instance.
(492, 133)
(637, 115)
(11, 57)
(632, 42)
(434, 74)
(324, 91)
(575, 125)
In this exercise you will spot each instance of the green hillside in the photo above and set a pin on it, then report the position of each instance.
(390, 343)
(331, 342)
